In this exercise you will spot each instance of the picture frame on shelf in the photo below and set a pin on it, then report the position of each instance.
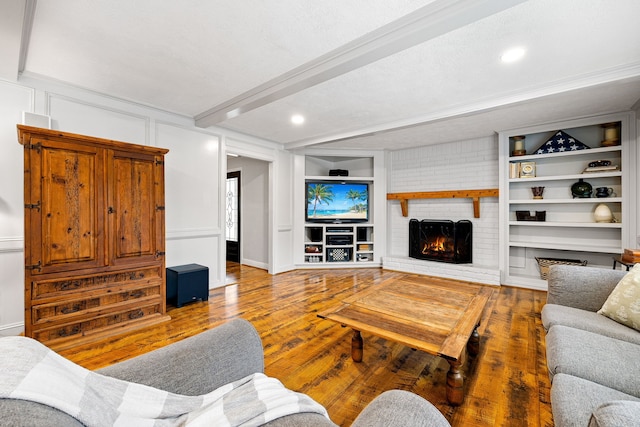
(527, 170)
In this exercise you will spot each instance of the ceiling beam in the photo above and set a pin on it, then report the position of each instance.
(435, 19)
(12, 22)
(27, 28)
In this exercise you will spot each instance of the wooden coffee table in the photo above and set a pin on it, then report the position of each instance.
(438, 316)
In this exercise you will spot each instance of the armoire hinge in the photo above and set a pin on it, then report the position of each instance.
(36, 146)
(159, 162)
(32, 205)
(159, 208)
(159, 253)
(33, 267)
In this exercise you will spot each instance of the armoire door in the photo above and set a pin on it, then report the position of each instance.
(135, 207)
(64, 200)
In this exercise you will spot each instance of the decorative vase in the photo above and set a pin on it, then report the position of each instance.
(602, 213)
(537, 192)
(581, 189)
(605, 192)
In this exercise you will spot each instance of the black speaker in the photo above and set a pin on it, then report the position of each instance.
(315, 234)
(186, 283)
(362, 234)
(338, 172)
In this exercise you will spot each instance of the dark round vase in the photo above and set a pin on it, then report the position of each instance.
(581, 189)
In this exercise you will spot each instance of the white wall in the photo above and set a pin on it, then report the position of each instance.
(463, 165)
(254, 210)
(193, 225)
(194, 171)
(636, 189)
(13, 100)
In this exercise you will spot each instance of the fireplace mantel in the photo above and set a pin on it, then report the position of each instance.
(451, 194)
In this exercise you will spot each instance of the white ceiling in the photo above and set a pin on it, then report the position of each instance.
(365, 73)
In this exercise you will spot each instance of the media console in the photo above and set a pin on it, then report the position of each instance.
(344, 243)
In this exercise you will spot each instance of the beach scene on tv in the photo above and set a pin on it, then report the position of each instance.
(337, 201)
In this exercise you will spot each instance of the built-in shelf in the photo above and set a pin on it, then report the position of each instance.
(572, 177)
(339, 178)
(342, 243)
(566, 224)
(547, 156)
(569, 230)
(567, 247)
(566, 201)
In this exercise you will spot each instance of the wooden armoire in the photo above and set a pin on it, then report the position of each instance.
(94, 236)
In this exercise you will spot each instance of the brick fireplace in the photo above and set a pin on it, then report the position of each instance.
(453, 166)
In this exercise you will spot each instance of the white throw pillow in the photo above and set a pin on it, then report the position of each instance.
(623, 305)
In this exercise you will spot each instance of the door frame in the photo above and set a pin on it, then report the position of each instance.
(235, 174)
(238, 148)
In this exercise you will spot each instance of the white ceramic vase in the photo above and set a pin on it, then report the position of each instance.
(602, 213)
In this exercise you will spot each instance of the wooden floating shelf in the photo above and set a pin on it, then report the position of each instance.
(456, 194)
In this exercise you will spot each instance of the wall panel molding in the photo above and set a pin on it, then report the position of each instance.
(193, 233)
(11, 244)
(105, 111)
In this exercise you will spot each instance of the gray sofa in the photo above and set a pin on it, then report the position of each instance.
(202, 363)
(594, 362)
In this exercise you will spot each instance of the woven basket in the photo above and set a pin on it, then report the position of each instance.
(545, 263)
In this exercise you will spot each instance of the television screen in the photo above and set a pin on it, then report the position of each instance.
(335, 201)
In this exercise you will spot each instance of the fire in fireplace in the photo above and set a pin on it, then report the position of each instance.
(441, 240)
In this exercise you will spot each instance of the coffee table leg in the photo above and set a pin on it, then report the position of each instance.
(356, 346)
(473, 345)
(455, 383)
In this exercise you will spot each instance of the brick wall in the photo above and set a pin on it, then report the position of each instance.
(463, 165)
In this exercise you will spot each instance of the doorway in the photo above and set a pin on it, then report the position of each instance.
(232, 211)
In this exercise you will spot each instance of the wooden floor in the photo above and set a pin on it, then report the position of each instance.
(506, 385)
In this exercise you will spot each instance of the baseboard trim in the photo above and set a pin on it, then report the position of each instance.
(11, 329)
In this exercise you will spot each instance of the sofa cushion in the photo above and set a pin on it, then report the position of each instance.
(22, 413)
(198, 364)
(574, 399)
(394, 408)
(618, 413)
(603, 360)
(623, 304)
(581, 287)
(553, 314)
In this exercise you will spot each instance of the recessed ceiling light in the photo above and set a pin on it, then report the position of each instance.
(297, 119)
(512, 55)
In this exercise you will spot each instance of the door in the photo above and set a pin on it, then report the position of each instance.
(134, 211)
(232, 223)
(64, 199)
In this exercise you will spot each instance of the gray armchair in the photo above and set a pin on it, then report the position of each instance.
(204, 362)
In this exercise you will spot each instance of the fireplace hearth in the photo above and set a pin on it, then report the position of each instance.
(441, 240)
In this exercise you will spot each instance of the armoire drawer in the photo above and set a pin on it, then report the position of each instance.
(96, 324)
(83, 305)
(52, 288)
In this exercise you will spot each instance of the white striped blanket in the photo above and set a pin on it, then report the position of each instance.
(30, 371)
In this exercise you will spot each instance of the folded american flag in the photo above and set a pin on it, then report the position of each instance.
(559, 143)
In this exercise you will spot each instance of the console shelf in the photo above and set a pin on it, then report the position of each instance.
(332, 244)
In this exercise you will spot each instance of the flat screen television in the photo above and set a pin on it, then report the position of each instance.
(337, 201)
